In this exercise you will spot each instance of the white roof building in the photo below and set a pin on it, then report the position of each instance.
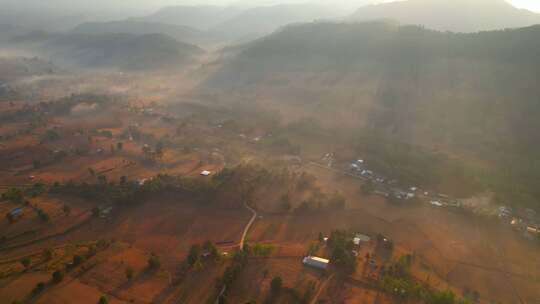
(436, 203)
(533, 230)
(358, 238)
(206, 173)
(316, 262)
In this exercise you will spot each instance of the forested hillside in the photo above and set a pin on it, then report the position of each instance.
(470, 96)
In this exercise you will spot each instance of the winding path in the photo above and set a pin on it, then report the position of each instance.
(248, 226)
(241, 244)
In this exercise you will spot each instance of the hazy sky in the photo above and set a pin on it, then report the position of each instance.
(533, 5)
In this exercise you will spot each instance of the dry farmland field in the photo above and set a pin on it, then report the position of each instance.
(148, 198)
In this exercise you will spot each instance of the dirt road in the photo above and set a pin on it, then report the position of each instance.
(248, 226)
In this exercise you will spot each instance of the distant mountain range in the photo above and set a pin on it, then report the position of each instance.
(264, 20)
(121, 51)
(455, 15)
(202, 17)
(179, 32)
(236, 23)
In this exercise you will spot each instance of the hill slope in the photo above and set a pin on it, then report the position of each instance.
(131, 52)
(201, 17)
(471, 95)
(456, 15)
(123, 51)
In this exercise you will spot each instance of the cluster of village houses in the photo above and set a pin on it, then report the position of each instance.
(526, 221)
(322, 263)
(385, 187)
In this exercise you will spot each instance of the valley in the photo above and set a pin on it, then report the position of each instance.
(214, 154)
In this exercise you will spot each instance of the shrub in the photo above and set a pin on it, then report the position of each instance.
(103, 300)
(47, 254)
(43, 216)
(66, 209)
(77, 260)
(129, 273)
(26, 262)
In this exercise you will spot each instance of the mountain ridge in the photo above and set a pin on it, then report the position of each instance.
(455, 16)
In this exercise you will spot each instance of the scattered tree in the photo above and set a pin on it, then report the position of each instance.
(154, 262)
(194, 254)
(129, 273)
(103, 300)
(47, 254)
(77, 260)
(57, 276)
(43, 216)
(38, 289)
(276, 285)
(36, 164)
(211, 249)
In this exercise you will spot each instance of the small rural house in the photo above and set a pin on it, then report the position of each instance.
(316, 262)
(533, 230)
(206, 173)
(16, 213)
(358, 238)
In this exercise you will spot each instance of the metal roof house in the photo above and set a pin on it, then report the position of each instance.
(16, 212)
(316, 262)
(358, 238)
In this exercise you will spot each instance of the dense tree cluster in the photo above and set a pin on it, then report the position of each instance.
(396, 280)
(321, 202)
(232, 272)
(341, 246)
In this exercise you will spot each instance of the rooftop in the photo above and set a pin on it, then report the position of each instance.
(314, 258)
